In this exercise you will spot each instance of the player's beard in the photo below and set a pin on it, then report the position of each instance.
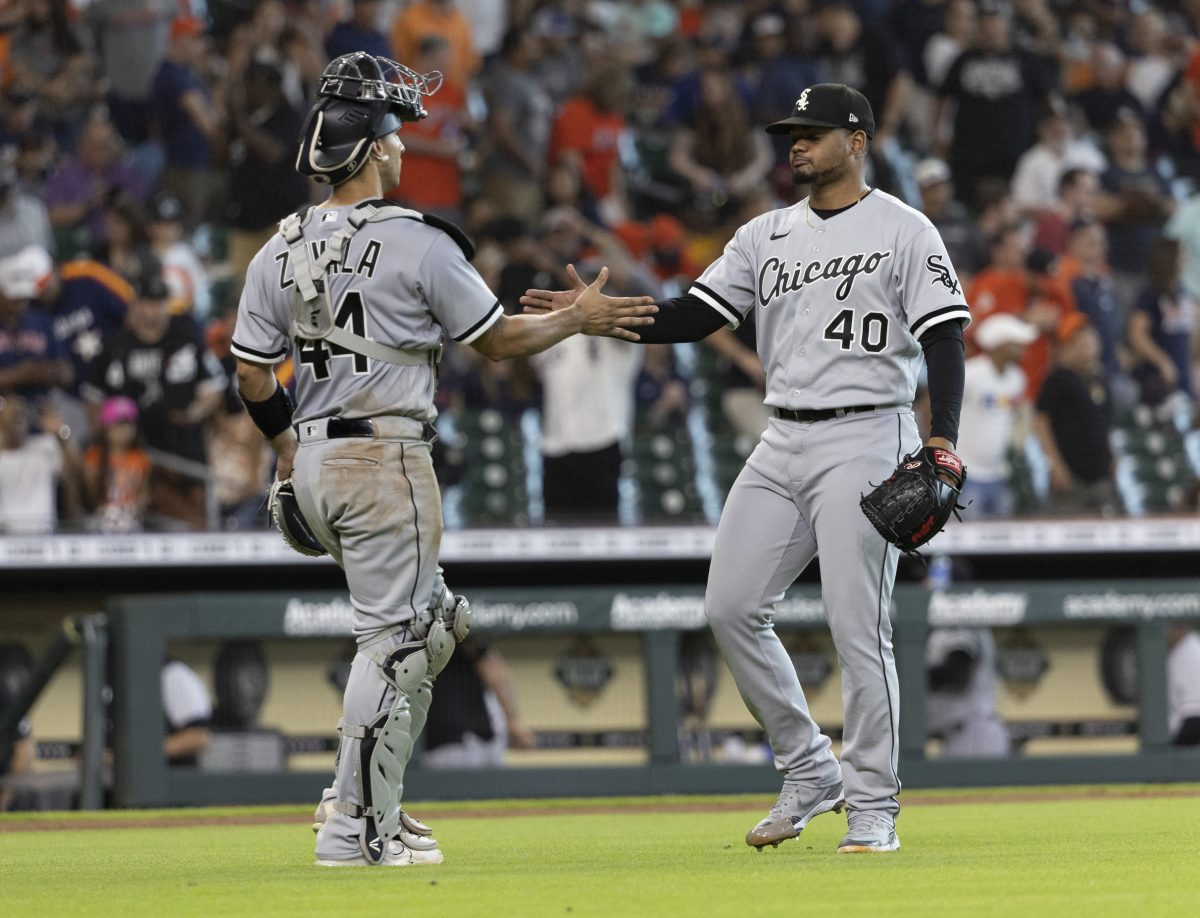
(817, 177)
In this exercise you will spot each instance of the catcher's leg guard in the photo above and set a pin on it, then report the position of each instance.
(386, 744)
(455, 613)
(385, 756)
(387, 704)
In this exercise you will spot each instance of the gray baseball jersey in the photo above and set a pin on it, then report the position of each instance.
(839, 303)
(401, 283)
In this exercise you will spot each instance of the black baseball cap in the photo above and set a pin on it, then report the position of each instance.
(150, 285)
(146, 278)
(829, 105)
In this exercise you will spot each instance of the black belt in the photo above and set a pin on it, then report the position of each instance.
(337, 428)
(804, 415)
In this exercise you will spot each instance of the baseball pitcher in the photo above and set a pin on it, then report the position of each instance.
(363, 292)
(850, 288)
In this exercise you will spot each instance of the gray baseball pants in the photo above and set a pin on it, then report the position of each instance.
(375, 504)
(797, 497)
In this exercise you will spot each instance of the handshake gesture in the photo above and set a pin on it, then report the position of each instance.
(598, 313)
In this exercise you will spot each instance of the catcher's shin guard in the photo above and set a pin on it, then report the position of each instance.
(387, 743)
(387, 758)
(374, 752)
(384, 759)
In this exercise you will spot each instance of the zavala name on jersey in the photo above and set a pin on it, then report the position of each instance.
(363, 265)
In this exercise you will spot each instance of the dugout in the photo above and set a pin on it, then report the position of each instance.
(626, 601)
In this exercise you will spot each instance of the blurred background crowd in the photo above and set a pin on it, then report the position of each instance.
(146, 152)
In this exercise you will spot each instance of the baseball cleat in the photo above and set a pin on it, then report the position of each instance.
(797, 804)
(398, 855)
(414, 825)
(410, 823)
(870, 832)
(417, 842)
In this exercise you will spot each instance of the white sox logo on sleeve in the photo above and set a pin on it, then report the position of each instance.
(775, 279)
(941, 273)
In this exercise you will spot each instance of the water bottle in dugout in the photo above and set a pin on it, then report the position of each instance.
(941, 571)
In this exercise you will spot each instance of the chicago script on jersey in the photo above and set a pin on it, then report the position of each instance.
(774, 278)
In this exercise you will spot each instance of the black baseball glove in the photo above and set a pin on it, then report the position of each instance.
(285, 513)
(913, 505)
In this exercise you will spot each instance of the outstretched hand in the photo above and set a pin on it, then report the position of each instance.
(542, 301)
(600, 314)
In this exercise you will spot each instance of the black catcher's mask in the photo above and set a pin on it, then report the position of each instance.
(362, 97)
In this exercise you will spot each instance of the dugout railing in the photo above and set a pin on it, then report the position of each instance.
(140, 628)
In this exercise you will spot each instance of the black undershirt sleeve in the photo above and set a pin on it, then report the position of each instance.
(943, 346)
(681, 318)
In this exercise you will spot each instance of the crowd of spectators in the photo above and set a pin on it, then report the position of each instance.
(146, 149)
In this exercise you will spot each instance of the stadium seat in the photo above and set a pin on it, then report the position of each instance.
(493, 491)
(1157, 465)
(663, 470)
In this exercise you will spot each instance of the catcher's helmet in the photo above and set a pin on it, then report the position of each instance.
(362, 97)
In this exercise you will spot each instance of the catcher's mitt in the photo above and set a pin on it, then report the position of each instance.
(913, 505)
(285, 513)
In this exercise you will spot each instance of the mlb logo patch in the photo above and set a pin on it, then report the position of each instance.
(329, 216)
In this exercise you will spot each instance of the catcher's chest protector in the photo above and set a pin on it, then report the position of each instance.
(313, 317)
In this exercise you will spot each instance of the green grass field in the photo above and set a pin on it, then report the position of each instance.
(1092, 852)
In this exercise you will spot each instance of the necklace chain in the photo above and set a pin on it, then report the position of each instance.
(808, 206)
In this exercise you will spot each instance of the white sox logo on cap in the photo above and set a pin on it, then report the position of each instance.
(831, 105)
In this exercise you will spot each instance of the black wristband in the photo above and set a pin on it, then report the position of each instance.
(273, 415)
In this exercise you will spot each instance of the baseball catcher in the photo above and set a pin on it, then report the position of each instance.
(361, 293)
(917, 500)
